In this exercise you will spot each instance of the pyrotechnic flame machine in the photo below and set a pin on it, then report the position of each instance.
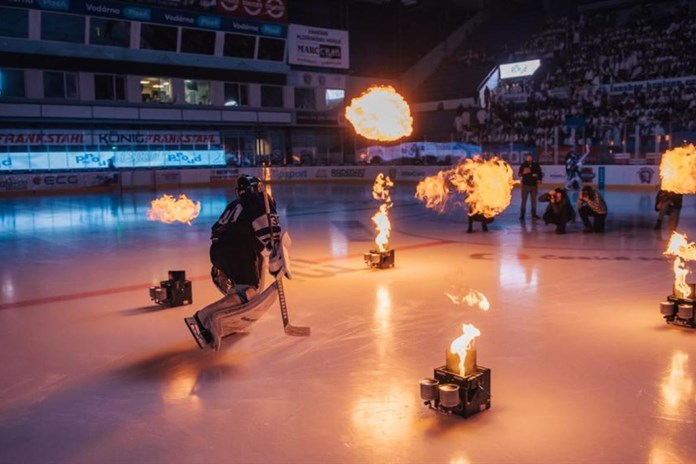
(680, 307)
(175, 291)
(459, 387)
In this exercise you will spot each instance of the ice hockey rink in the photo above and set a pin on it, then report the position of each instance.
(584, 369)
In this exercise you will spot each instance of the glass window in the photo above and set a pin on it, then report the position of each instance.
(62, 27)
(271, 96)
(304, 99)
(156, 90)
(109, 87)
(236, 94)
(14, 22)
(271, 49)
(334, 98)
(157, 37)
(198, 92)
(239, 46)
(197, 41)
(11, 83)
(109, 32)
(59, 84)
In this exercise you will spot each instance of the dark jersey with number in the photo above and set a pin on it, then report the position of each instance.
(240, 235)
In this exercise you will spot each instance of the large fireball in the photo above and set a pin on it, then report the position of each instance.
(486, 184)
(678, 170)
(168, 209)
(380, 113)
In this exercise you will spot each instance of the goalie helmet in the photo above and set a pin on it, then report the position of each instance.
(247, 184)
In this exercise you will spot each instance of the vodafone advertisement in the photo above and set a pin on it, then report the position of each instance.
(265, 10)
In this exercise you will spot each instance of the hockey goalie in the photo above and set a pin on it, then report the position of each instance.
(246, 233)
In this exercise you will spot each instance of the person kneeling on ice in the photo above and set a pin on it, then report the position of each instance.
(591, 204)
(559, 211)
(240, 238)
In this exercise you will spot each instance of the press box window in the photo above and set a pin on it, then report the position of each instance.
(59, 84)
(304, 99)
(271, 49)
(109, 32)
(156, 90)
(108, 87)
(158, 37)
(271, 96)
(334, 98)
(198, 92)
(239, 46)
(197, 41)
(14, 22)
(62, 27)
(11, 83)
(236, 94)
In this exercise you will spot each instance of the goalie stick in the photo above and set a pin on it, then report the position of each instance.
(289, 328)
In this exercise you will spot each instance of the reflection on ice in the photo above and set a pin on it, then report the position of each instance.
(385, 415)
(677, 387)
(383, 328)
(660, 454)
(180, 387)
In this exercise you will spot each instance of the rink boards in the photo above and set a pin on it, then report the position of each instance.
(604, 176)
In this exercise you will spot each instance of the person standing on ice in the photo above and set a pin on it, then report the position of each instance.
(240, 239)
(531, 175)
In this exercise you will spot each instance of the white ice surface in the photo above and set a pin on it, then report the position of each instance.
(584, 370)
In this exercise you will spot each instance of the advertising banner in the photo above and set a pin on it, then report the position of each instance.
(70, 180)
(166, 158)
(315, 46)
(39, 161)
(248, 20)
(418, 150)
(267, 10)
(38, 137)
(512, 153)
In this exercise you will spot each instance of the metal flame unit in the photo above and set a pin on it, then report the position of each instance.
(173, 292)
(680, 311)
(380, 259)
(451, 393)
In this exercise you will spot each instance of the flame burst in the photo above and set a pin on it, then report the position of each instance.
(682, 251)
(168, 209)
(678, 170)
(435, 191)
(380, 113)
(486, 184)
(474, 299)
(462, 344)
(381, 190)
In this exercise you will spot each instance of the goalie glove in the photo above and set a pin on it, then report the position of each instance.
(279, 259)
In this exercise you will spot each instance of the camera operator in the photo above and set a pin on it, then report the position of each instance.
(591, 204)
(531, 175)
(559, 211)
(668, 203)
